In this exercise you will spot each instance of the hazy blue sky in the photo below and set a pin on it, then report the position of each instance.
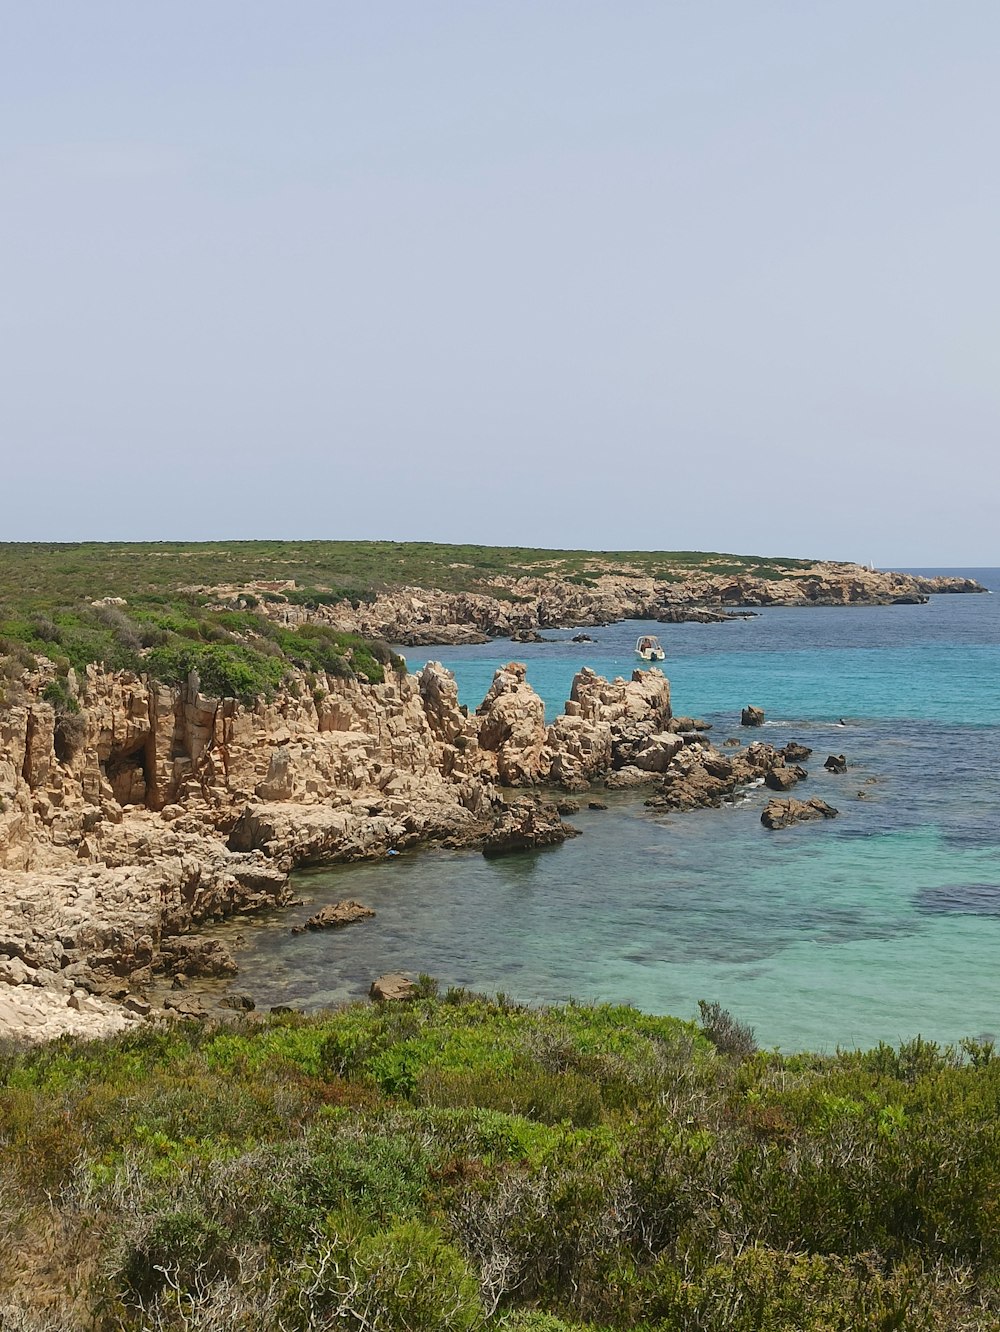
(697, 275)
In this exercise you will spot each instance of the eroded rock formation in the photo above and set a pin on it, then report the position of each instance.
(141, 812)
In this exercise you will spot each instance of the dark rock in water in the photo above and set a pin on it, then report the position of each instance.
(683, 724)
(524, 825)
(196, 957)
(526, 636)
(794, 752)
(334, 916)
(751, 716)
(392, 988)
(241, 1002)
(581, 638)
(910, 599)
(783, 779)
(281, 1008)
(836, 763)
(564, 807)
(596, 804)
(783, 813)
(964, 899)
(732, 743)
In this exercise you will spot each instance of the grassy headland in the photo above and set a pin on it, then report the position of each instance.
(460, 1163)
(51, 574)
(178, 618)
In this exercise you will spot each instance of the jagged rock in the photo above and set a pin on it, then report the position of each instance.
(523, 826)
(581, 638)
(243, 1003)
(784, 778)
(197, 957)
(751, 716)
(732, 743)
(836, 763)
(13, 971)
(512, 727)
(335, 915)
(596, 804)
(392, 988)
(683, 725)
(705, 778)
(564, 807)
(783, 813)
(140, 1007)
(657, 753)
(794, 752)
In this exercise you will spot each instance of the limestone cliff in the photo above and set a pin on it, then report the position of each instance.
(130, 812)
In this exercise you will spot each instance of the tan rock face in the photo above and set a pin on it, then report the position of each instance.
(170, 809)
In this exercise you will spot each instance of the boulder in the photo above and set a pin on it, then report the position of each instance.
(751, 716)
(335, 915)
(196, 957)
(784, 778)
(836, 763)
(657, 753)
(783, 813)
(392, 988)
(794, 752)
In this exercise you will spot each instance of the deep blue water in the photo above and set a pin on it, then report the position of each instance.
(875, 926)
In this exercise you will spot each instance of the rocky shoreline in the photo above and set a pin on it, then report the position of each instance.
(516, 607)
(163, 810)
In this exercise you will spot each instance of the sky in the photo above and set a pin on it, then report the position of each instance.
(714, 275)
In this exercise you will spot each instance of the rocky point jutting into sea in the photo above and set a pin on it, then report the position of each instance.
(148, 810)
(415, 616)
(164, 809)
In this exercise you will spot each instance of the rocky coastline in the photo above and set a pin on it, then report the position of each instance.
(518, 607)
(162, 810)
(132, 813)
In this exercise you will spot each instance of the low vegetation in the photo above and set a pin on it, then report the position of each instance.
(459, 1163)
(237, 651)
(168, 608)
(52, 575)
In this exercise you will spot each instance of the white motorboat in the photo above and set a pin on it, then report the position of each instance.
(648, 648)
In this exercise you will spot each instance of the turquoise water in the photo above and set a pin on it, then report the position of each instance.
(878, 925)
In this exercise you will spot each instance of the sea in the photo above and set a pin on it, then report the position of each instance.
(880, 925)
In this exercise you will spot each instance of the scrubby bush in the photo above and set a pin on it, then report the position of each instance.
(468, 1163)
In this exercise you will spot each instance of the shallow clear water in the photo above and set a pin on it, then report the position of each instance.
(875, 926)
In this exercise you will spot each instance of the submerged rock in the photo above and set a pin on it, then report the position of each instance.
(334, 916)
(794, 752)
(783, 813)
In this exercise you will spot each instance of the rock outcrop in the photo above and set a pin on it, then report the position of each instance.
(525, 825)
(335, 915)
(783, 813)
(512, 606)
(159, 810)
